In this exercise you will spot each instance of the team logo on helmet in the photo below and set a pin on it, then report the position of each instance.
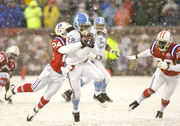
(82, 23)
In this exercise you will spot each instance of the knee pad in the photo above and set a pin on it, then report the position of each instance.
(148, 92)
(164, 102)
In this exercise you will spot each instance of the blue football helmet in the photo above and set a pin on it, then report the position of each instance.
(99, 23)
(82, 23)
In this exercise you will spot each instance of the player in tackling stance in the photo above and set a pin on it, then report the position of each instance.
(53, 74)
(100, 34)
(167, 54)
(7, 66)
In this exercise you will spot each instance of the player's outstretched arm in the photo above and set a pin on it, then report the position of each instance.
(69, 48)
(133, 57)
(145, 53)
(165, 66)
(108, 48)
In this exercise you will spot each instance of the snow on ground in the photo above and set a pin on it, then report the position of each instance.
(123, 90)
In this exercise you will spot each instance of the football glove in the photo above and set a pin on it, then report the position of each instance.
(98, 57)
(163, 65)
(65, 70)
(114, 52)
(88, 42)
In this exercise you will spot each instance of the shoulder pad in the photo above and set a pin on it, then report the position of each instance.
(152, 47)
(73, 35)
(174, 48)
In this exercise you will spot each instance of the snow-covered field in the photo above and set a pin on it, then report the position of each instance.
(123, 90)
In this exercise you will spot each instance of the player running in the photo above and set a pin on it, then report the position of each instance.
(167, 54)
(100, 34)
(7, 66)
(79, 58)
(53, 74)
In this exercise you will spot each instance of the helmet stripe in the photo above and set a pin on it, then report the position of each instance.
(163, 34)
(101, 21)
(160, 34)
(76, 18)
(86, 17)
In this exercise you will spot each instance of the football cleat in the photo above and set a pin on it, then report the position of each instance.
(31, 116)
(67, 95)
(100, 99)
(10, 101)
(76, 116)
(159, 114)
(10, 92)
(133, 105)
(106, 97)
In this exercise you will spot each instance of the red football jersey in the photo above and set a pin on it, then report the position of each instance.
(170, 56)
(57, 61)
(5, 64)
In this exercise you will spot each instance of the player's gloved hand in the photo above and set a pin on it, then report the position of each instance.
(133, 57)
(65, 70)
(115, 52)
(98, 57)
(89, 41)
(163, 65)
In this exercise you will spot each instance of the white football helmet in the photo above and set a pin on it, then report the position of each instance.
(63, 28)
(164, 39)
(13, 53)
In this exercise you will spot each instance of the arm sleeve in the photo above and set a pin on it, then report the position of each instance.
(177, 61)
(69, 48)
(3, 60)
(145, 53)
(95, 49)
(174, 67)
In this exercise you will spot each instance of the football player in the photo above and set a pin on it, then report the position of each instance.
(167, 54)
(53, 74)
(7, 65)
(100, 34)
(79, 58)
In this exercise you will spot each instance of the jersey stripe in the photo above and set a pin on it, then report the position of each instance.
(7, 59)
(152, 48)
(174, 49)
(61, 40)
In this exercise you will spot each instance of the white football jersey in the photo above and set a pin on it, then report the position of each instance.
(80, 55)
(100, 41)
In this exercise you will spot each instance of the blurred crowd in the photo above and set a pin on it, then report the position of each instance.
(35, 14)
(35, 52)
(46, 13)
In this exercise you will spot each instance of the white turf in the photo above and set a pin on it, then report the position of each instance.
(123, 90)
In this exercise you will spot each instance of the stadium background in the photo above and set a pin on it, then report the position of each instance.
(145, 19)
